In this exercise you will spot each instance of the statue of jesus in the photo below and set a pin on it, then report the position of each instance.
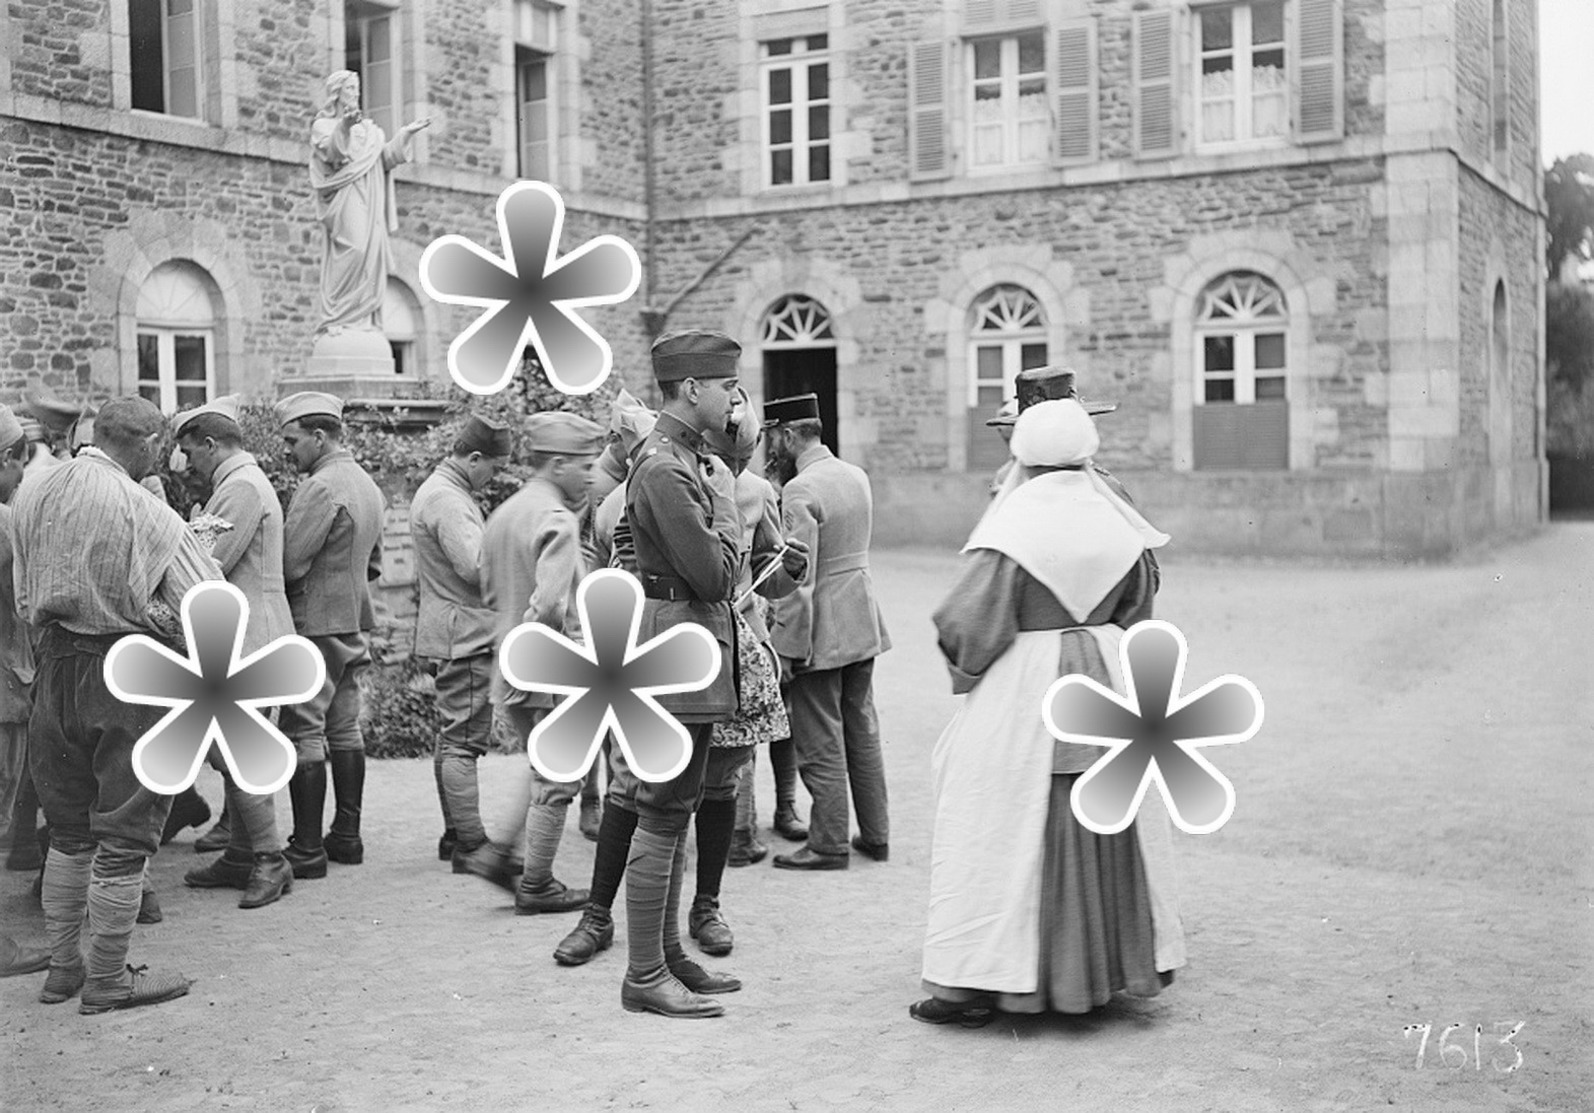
(351, 163)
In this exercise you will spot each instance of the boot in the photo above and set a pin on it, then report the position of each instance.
(649, 985)
(788, 826)
(343, 843)
(270, 877)
(307, 792)
(705, 924)
(688, 973)
(218, 837)
(593, 934)
(746, 850)
(446, 844)
(230, 871)
(149, 908)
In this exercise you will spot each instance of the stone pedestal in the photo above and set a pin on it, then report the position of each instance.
(352, 363)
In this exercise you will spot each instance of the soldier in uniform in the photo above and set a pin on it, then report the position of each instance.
(210, 443)
(332, 549)
(687, 539)
(828, 634)
(532, 563)
(454, 627)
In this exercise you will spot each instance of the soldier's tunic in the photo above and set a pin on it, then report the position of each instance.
(16, 677)
(686, 538)
(332, 549)
(831, 630)
(454, 631)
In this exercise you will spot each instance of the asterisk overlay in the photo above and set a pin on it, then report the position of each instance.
(530, 294)
(213, 694)
(611, 682)
(1153, 734)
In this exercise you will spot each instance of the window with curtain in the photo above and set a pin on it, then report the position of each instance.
(1242, 79)
(164, 49)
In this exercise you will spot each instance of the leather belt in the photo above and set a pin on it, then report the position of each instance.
(671, 589)
(848, 562)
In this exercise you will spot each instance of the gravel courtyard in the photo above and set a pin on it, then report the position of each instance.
(1410, 846)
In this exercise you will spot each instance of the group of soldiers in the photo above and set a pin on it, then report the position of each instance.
(779, 578)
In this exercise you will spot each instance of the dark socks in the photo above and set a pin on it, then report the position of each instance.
(614, 847)
(716, 826)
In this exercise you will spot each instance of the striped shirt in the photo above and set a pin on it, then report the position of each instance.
(93, 549)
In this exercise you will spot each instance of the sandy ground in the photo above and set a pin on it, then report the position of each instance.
(1411, 845)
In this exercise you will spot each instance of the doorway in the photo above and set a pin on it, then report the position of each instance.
(790, 371)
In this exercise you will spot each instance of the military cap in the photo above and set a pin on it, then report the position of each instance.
(1045, 384)
(10, 428)
(695, 354)
(58, 417)
(624, 403)
(226, 406)
(1006, 415)
(565, 434)
(308, 403)
(490, 438)
(800, 407)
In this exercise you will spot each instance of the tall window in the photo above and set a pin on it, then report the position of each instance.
(795, 76)
(1241, 414)
(1007, 334)
(536, 27)
(176, 338)
(371, 49)
(1009, 122)
(1499, 99)
(1499, 378)
(163, 39)
(1244, 86)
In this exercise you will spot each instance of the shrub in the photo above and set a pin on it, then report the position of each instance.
(398, 712)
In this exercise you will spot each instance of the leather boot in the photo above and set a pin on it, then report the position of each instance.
(268, 880)
(342, 841)
(746, 850)
(307, 792)
(788, 826)
(593, 934)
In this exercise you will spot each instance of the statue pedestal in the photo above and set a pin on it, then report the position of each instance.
(353, 363)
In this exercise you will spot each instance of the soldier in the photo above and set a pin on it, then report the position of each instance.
(531, 565)
(210, 443)
(93, 551)
(332, 549)
(687, 540)
(454, 628)
(828, 634)
(16, 667)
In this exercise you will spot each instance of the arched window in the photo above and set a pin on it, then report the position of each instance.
(1007, 334)
(799, 348)
(176, 337)
(1241, 414)
(400, 324)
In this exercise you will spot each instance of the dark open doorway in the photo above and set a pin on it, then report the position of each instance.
(789, 371)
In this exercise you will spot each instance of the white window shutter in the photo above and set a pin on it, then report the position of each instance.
(1076, 92)
(1318, 86)
(981, 13)
(1156, 116)
(1020, 11)
(928, 154)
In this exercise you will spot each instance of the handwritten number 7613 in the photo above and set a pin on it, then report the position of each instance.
(1446, 1047)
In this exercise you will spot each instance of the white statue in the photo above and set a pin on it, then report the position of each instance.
(351, 163)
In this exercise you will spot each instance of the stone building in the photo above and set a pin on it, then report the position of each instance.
(1298, 240)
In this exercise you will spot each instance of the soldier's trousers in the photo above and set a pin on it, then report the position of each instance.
(837, 736)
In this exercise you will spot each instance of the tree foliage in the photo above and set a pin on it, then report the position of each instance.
(1569, 197)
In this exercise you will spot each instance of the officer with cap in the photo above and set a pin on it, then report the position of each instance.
(454, 627)
(828, 634)
(332, 550)
(531, 565)
(687, 539)
(211, 443)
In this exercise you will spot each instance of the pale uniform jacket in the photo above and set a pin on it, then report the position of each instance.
(832, 619)
(531, 566)
(16, 649)
(332, 547)
(446, 527)
(250, 554)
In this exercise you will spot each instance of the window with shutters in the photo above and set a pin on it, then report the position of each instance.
(371, 49)
(1009, 119)
(536, 127)
(176, 338)
(1007, 334)
(164, 43)
(795, 80)
(1241, 412)
(1241, 77)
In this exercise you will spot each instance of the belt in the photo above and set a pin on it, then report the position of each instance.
(671, 589)
(848, 562)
